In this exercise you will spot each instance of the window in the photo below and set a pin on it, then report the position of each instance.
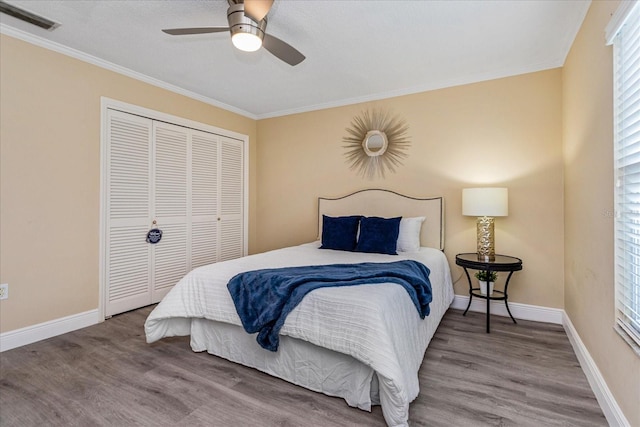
(624, 33)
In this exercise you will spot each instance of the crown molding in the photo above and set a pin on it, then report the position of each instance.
(85, 57)
(430, 86)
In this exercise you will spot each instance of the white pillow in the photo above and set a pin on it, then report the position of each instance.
(409, 235)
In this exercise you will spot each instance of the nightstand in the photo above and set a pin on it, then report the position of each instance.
(470, 261)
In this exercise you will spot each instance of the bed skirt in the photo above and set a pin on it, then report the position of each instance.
(298, 362)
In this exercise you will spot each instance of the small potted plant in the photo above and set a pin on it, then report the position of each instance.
(485, 276)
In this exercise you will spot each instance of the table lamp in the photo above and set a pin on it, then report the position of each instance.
(485, 203)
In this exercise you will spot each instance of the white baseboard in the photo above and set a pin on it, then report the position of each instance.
(52, 328)
(607, 402)
(519, 311)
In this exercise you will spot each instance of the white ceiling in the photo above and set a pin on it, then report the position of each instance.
(356, 50)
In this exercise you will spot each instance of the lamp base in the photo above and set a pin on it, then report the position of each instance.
(486, 258)
(485, 235)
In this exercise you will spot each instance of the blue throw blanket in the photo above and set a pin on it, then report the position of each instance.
(264, 298)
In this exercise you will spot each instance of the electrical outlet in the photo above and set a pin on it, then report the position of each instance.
(4, 291)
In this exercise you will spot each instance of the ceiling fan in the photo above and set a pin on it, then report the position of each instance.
(247, 24)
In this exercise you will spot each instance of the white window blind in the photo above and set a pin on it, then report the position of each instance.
(626, 42)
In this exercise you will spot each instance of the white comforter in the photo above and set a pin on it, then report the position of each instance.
(376, 324)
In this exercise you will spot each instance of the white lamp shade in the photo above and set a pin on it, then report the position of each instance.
(485, 202)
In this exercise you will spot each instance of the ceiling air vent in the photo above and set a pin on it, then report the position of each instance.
(29, 17)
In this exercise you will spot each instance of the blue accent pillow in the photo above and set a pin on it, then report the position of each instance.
(340, 233)
(379, 235)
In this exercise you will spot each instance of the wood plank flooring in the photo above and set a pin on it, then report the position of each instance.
(106, 375)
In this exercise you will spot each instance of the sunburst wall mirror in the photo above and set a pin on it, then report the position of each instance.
(376, 143)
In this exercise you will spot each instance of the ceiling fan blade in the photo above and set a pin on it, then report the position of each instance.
(202, 30)
(282, 50)
(257, 9)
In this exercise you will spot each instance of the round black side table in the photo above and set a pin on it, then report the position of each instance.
(500, 263)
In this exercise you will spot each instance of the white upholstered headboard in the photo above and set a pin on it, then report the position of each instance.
(386, 203)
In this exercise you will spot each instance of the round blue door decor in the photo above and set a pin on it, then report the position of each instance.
(154, 235)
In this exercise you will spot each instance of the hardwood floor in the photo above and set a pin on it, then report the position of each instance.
(106, 375)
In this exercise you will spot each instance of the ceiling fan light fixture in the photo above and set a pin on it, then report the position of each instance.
(248, 31)
(246, 34)
(247, 42)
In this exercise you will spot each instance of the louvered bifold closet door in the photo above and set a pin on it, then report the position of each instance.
(170, 207)
(231, 242)
(204, 198)
(189, 184)
(127, 263)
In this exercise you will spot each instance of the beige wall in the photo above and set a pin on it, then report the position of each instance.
(504, 132)
(588, 158)
(50, 175)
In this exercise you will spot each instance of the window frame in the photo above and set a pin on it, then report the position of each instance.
(627, 261)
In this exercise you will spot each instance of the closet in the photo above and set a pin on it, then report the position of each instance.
(185, 182)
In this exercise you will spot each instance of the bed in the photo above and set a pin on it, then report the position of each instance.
(364, 344)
